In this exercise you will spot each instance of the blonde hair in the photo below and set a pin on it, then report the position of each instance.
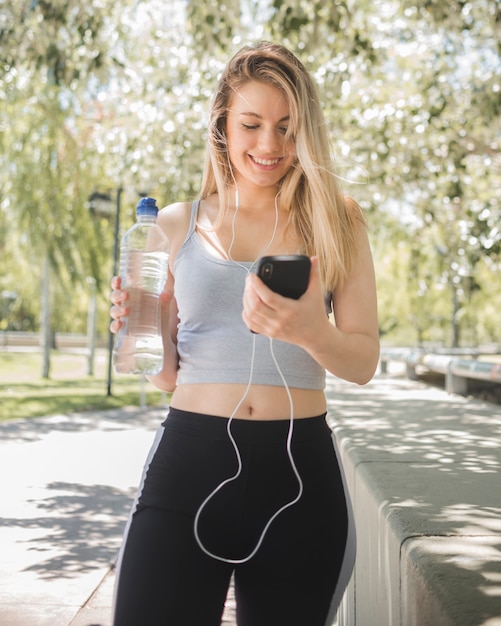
(322, 218)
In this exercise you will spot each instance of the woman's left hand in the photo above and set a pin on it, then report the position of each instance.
(268, 313)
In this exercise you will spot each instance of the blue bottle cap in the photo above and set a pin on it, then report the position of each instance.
(147, 206)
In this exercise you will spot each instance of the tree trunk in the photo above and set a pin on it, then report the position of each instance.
(46, 334)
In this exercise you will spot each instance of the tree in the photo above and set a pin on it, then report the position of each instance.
(105, 96)
(49, 53)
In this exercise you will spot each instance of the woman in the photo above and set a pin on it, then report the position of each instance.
(243, 478)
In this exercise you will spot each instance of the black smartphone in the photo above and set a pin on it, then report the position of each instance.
(288, 275)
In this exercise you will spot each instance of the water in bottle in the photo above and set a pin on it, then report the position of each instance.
(144, 255)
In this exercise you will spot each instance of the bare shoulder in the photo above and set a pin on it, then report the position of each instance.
(175, 214)
(174, 219)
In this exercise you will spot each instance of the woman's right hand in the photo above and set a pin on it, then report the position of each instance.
(118, 309)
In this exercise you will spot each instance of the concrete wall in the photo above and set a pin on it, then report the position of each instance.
(424, 472)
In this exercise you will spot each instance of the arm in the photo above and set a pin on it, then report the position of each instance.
(349, 348)
(166, 379)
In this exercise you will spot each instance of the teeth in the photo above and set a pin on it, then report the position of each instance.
(266, 161)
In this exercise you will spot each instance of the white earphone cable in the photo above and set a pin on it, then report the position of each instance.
(232, 241)
(239, 470)
(235, 410)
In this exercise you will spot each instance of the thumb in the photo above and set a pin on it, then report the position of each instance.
(166, 296)
(314, 273)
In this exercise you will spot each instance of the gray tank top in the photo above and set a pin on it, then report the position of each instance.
(214, 345)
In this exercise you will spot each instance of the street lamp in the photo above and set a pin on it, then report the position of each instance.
(101, 204)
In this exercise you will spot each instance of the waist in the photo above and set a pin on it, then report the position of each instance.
(213, 427)
(261, 402)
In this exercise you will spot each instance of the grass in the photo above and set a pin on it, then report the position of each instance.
(24, 393)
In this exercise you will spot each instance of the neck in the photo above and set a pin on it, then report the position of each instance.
(237, 208)
(254, 200)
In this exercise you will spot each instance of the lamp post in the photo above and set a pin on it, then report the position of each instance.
(91, 325)
(101, 204)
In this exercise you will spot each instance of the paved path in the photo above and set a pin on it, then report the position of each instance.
(66, 487)
(65, 492)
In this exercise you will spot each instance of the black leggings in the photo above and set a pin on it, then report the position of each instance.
(298, 574)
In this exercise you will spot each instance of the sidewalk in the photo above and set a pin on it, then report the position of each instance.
(66, 488)
(67, 483)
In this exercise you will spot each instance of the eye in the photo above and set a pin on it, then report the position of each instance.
(283, 129)
(250, 126)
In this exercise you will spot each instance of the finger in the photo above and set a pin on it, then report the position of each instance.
(252, 321)
(118, 296)
(262, 292)
(250, 301)
(314, 272)
(117, 312)
(115, 326)
(165, 298)
(116, 282)
(253, 303)
(257, 314)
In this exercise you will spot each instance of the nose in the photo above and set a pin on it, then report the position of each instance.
(270, 141)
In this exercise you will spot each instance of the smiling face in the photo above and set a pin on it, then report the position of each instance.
(256, 127)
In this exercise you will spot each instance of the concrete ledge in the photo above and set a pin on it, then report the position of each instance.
(458, 372)
(424, 471)
(438, 570)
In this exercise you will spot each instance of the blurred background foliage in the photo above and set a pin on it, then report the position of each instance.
(98, 96)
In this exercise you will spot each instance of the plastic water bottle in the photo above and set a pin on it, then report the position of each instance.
(144, 255)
